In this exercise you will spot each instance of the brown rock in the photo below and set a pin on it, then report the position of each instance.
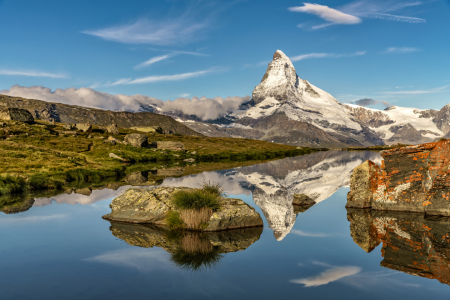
(411, 243)
(113, 129)
(16, 114)
(301, 199)
(84, 191)
(167, 145)
(414, 178)
(136, 140)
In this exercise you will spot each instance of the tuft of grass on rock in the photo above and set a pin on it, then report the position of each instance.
(174, 220)
(196, 199)
(213, 188)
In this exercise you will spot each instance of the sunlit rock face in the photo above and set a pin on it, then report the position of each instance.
(415, 178)
(317, 176)
(411, 242)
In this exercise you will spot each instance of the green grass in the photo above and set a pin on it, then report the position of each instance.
(196, 261)
(174, 221)
(39, 156)
(196, 199)
(212, 188)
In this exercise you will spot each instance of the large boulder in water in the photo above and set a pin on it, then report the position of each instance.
(136, 140)
(151, 206)
(16, 114)
(414, 178)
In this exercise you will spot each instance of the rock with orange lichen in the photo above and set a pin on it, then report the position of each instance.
(414, 178)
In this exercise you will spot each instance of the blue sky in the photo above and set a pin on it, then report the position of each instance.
(394, 51)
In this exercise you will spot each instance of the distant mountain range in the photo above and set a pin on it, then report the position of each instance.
(283, 109)
(287, 109)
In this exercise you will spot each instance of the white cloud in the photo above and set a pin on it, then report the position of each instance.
(330, 275)
(381, 9)
(429, 91)
(331, 15)
(176, 77)
(325, 55)
(32, 218)
(401, 50)
(204, 108)
(185, 95)
(74, 199)
(153, 60)
(142, 259)
(310, 234)
(398, 18)
(31, 73)
(144, 31)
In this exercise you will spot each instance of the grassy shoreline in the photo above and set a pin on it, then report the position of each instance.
(45, 156)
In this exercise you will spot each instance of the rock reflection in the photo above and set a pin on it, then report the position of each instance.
(15, 204)
(193, 251)
(411, 242)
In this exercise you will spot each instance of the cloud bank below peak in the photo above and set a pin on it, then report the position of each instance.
(203, 108)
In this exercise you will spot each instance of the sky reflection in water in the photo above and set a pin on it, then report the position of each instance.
(62, 249)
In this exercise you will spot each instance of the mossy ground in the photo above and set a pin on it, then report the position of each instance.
(43, 156)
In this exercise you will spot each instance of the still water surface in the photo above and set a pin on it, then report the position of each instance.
(61, 248)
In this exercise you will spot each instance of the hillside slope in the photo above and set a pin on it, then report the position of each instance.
(76, 114)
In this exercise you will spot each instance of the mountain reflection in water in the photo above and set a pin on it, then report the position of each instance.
(61, 248)
(273, 184)
(411, 242)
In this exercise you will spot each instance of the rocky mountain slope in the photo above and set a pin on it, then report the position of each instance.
(290, 110)
(76, 114)
(405, 125)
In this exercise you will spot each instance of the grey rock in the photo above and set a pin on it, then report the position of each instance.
(69, 126)
(16, 114)
(137, 140)
(191, 160)
(85, 127)
(136, 178)
(112, 155)
(113, 129)
(152, 205)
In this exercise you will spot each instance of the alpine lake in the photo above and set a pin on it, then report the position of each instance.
(59, 247)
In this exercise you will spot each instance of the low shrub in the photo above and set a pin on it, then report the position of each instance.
(174, 220)
(212, 188)
(196, 199)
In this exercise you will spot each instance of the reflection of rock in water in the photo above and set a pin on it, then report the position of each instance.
(15, 205)
(412, 243)
(190, 250)
(315, 177)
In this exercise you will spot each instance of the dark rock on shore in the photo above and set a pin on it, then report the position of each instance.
(16, 114)
(136, 140)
